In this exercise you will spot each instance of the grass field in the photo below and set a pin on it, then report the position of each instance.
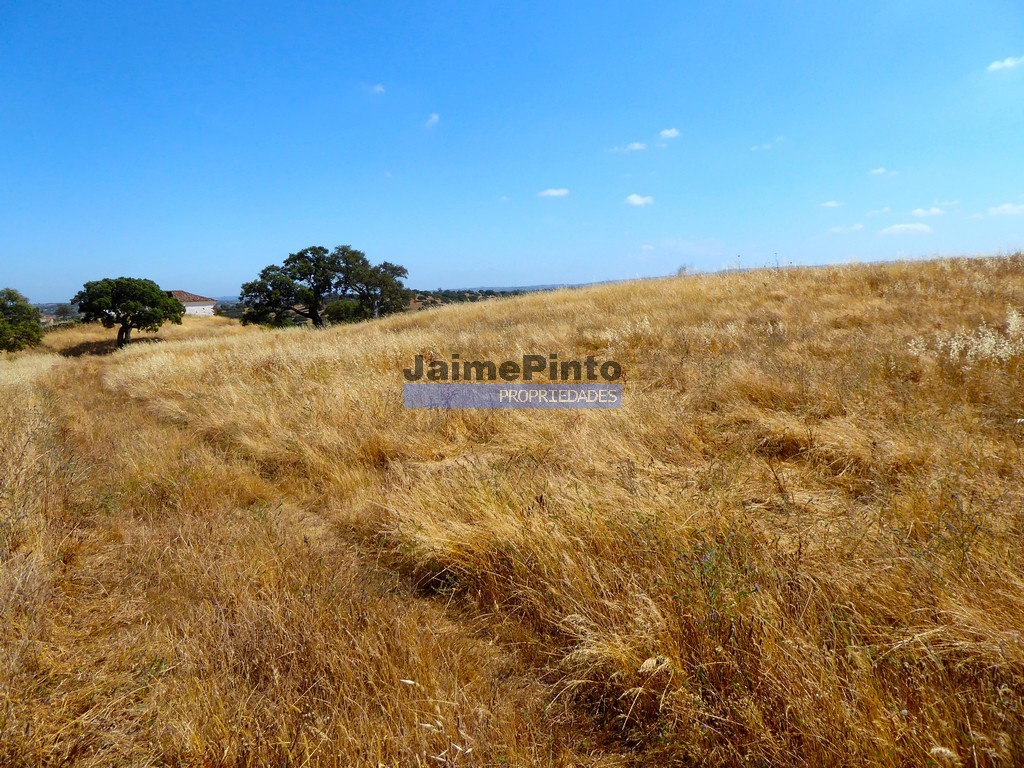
(799, 541)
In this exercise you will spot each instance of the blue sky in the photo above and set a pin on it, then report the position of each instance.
(502, 143)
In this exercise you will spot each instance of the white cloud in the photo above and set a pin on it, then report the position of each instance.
(669, 133)
(878, 171)
(906, 229)
(639, 200)
(1007, 209)
(1008, 63)
(647, 247)
(378, 88)
(561, 192)
(879, 211)
(854, 228)
(831, 204)
(433, 120)
(769, 145)
(634, 146)
(923, 212)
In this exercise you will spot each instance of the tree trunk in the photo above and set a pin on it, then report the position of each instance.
(318, 322)
(124, 335)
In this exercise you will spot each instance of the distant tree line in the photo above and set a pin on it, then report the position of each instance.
(314, 285)
(65, 313)
(442, 296)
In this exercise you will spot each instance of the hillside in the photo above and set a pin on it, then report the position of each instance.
(799, 541)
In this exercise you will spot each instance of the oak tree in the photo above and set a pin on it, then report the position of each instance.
(129, 303)
(315, 278)
(20, 322)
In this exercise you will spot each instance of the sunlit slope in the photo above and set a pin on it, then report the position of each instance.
(797, 542)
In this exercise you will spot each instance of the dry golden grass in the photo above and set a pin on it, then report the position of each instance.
(798, 542)
(93, 339)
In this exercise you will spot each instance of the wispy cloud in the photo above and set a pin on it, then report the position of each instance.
(1007, 209)
(1008, 63)
(906, 229)
(882, 172)
(433, 120)
(634, 146)
(770, 145)
(879, 211)
(831, 204)
(639, 200)
(561, 192)
(378, 88)
(924, 212)
(669, 133)
(840, 230)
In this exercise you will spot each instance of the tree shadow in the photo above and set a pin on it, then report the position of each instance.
(105, 347)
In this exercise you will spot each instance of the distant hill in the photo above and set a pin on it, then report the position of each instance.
(50, 307)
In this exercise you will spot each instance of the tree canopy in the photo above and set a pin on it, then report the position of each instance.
(64, 313)
(20, 324)
(314, 278)
(129, 303)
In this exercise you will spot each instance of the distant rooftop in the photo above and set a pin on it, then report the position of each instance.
(187, 298)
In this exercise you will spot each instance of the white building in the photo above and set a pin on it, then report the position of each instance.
(194, 305)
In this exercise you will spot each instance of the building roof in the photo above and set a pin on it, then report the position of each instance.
(190, 298)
